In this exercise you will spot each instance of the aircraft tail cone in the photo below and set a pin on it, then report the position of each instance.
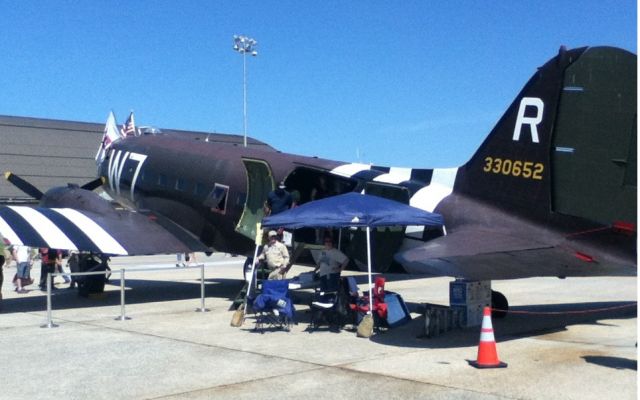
(487, 352)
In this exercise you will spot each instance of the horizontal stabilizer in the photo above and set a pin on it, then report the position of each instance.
(469, 242)
(478, 254)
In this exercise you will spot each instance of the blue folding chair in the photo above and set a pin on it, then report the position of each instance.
(273, 306)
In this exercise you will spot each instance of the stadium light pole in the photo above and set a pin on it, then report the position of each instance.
(243, 45)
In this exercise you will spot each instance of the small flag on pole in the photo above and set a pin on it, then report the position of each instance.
(129, 127)
(110, 135)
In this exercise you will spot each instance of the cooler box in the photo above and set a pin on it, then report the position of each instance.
(397, 311)
(463, 292)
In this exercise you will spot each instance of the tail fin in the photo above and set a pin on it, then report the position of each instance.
(567, 144)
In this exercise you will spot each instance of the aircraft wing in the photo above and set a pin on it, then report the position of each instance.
(118, 232)
(478, 254)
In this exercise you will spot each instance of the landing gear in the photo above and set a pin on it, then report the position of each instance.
(499, 302)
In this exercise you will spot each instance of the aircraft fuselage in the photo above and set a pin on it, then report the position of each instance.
(206, 187)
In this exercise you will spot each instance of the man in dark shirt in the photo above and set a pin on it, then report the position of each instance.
(279, 200)
(49, 258)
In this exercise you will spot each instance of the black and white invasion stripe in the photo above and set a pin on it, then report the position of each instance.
(427, 186)
(56, 228)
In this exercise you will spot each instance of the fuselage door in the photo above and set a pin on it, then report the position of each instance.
(259, 183)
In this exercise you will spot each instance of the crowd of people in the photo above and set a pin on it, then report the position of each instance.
(51, 261)
(24, 257)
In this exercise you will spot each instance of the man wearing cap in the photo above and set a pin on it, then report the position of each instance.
(278, 200)
(277, 257)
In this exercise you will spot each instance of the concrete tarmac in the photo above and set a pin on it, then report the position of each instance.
(572, 339)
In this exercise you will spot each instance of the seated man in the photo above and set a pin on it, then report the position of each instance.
(330, 264)
(276, 256)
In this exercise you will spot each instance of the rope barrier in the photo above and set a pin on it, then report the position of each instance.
(594, 310)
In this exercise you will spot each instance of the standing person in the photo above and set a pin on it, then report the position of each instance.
(330, 264)
(43, 252)
(49, 258)
(277, 257)
(1, 268)
(73, 263)
(60, 269)
(179, 262)
(22, 255)
(8, 252)
(278, 200)
(321, 190)
(190, 258)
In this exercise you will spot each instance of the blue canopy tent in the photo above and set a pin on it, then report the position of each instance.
(353, 210)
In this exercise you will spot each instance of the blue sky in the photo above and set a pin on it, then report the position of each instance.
(398, 83)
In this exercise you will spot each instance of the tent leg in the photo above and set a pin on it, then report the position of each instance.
(369, 269)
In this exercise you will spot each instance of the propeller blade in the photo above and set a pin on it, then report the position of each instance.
(94, 184)
(23, 185)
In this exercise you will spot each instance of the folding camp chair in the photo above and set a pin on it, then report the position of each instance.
(330, 306)
(273, 306)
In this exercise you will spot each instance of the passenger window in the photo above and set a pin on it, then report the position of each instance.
(200, 190)
(162, 180)
(217, 199)
(181, 184)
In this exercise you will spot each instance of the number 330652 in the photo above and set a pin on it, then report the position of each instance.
(518, 168)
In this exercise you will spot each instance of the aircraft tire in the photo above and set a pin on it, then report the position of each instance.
(499, 302)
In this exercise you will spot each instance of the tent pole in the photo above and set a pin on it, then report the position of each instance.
(369, 269)
(253, 270)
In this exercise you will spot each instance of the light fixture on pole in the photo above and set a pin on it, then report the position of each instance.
(243, 45)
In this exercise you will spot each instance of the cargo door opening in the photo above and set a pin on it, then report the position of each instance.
(259, 183)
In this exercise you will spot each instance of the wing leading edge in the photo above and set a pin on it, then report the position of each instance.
(117, 233)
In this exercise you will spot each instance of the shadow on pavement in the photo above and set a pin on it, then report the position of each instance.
(612, 362)
(534, 320)
(137, 291)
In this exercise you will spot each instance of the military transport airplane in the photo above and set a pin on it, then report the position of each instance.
(551, 191)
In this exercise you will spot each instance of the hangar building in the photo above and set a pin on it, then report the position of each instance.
(48, 153)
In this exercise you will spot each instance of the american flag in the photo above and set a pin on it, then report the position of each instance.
(129, 127)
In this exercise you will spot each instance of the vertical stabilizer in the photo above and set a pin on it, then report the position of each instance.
(566, 144)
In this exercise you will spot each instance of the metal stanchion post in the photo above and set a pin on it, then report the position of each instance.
(49, 323)
(202, 309)
(122, 316)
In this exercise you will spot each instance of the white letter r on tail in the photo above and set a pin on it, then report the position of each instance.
(531, 121)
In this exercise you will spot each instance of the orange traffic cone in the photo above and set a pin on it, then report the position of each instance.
(487, 353)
